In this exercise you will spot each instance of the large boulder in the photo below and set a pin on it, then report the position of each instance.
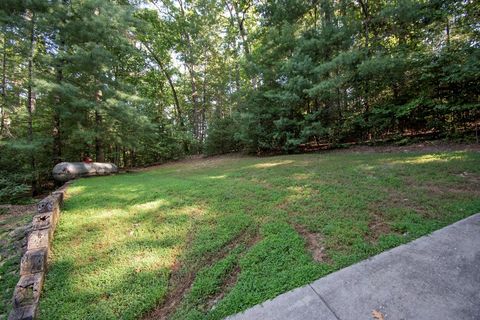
(66, 171)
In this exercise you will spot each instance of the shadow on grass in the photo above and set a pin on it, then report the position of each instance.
(121, 236)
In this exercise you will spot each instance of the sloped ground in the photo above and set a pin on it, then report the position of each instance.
(208, 238)
(433, 277)
(14, 226)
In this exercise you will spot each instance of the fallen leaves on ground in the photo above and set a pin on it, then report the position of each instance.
(377, 315)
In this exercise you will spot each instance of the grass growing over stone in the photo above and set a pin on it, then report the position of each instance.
(209, 238)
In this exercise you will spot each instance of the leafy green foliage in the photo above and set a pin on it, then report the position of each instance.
(12, 190)
(14, 174)
(332, 72)
(221, 136)
(137, 84)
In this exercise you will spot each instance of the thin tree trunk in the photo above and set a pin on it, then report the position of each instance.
(476, 133)
(235, 18)
(204, 106)
(191, 70)
(124, 157)
(31, 104)
(56, 132)
(4, 85)
(57, 129)
(134, 157)
(193, 85)
(176, 101)
(447, 31)
(117, 155)
(170, 83)
(57, 138)
(99, 154)
(366, 24)
(235, 13)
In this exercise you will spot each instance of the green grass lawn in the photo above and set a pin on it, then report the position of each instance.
(209, 238)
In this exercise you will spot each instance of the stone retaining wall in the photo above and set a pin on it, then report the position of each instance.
(33, 266)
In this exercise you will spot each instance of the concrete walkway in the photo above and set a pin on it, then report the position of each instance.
(434, 277)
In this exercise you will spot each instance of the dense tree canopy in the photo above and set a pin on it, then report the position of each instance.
(139, 82)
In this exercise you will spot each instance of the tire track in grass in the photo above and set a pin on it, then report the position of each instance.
(182, 278)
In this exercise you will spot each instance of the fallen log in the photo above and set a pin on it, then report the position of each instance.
(66, 171)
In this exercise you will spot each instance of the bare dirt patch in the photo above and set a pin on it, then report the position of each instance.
(377, 227)
(199, 161)
(399, 199)
(442, 190)
(470, 185)
(12, 218)
(314, 242)
(470, 177)
(14, 209)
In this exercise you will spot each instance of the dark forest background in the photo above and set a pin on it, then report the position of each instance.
(142, 82)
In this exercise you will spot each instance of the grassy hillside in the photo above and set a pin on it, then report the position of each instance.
(209, 238)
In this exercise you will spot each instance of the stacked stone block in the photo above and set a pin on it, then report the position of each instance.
(33, 265)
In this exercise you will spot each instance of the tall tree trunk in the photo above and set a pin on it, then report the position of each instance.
(99, 152)
(176, 101)
(124, 157)
(57, 129)
(447, 31)
(190, 65)
(178, 109)
(366, 26)
(196, 108)
(203, 124)
(237, 20)
(117, 155)
(31, 104)
(56, 132)
(133, 157)
(99, 155)
(239, 16)
(4, 86)
(366, 21)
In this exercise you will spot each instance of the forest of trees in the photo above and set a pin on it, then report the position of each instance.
(138, 82)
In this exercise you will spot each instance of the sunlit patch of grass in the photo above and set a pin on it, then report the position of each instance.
(272, 164)
(301, 176)
(75, 190)
(231, 223)
(439, 157)
(155, 204)
(218, 177)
